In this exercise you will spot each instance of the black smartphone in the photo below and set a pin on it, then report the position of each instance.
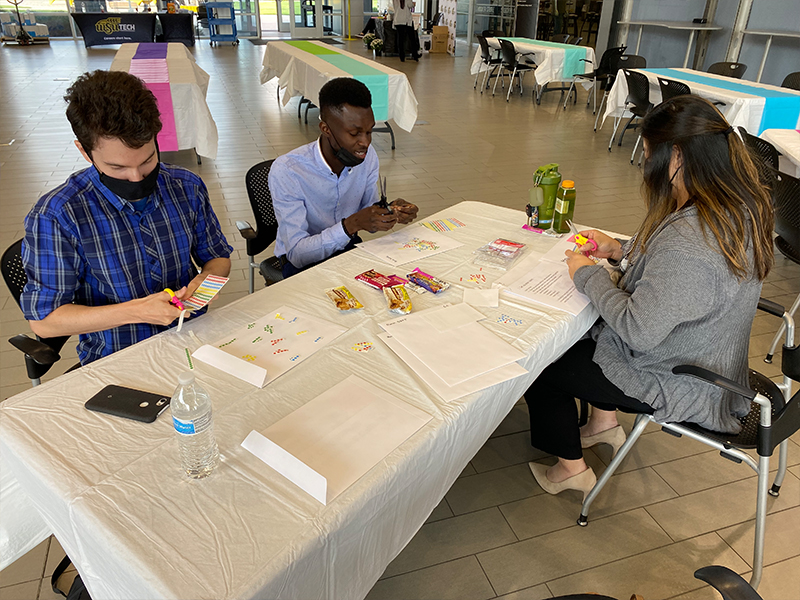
(128, 403)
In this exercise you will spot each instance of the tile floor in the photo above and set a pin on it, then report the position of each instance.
(675, 506)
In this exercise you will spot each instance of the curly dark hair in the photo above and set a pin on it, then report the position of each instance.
(343, 90)
(112, 104)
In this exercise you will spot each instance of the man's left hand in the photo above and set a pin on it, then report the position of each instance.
(405, 211)
(576, 260)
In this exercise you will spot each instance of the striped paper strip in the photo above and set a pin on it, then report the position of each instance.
(210, 287)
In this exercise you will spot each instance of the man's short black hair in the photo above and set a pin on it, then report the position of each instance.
(343, 90)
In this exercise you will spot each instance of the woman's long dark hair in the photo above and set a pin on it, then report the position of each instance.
(720, 177)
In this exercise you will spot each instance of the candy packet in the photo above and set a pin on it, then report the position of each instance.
(428, 282)
(397, 299)
(379, 281)
(343, 299)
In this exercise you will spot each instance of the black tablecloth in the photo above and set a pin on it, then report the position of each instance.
(177, 28)
(115, 28)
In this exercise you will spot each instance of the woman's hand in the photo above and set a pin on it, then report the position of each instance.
(576, 260)
(607, 247)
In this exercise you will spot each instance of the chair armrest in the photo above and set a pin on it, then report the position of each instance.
(714, 379)
(729, 584)
(770, 307)
(40, 352)
(586, 60)
(246, 230)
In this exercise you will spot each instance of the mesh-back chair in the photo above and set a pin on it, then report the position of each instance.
(671, 88)
(560, 38)
(728, 69)
(490, 63)
(764, 155)
(576, 41)
(40, 353)
(792, 81)
(489, 33)
(769, 424)
(786, 195)
(600, 73)
(638, 103)
(512, 65)
(257, 182)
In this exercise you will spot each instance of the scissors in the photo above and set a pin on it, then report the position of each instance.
(581, 240)
(174, 299)
(383, 203)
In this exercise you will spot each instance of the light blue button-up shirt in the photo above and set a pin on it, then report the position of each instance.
(310, 202)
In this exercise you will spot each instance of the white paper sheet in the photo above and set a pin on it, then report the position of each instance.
(409, 244)
(479, 297)
(455, 355)
(452, 316)
(341, 434)
(446, 392)
(549, 284)
(263, 350)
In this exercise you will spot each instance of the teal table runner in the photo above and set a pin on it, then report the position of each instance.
(376, 81)
(781, 108)
(572, 55)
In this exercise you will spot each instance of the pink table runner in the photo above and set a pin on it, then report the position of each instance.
(150, 65)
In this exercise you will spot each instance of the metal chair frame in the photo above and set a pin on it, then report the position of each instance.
(637, 102)
(489, 61)
(511, 63)
(603, 70)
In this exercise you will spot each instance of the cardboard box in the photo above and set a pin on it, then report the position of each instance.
(439, 46)
(440, 30)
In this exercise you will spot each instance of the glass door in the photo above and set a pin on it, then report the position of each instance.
(306, 18)
(248, 22)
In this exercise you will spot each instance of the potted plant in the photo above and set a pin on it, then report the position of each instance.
(377, 47)
(368, 39)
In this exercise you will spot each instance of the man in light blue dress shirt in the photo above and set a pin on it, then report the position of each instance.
(325, 192)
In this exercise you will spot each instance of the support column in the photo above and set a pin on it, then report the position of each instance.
(709, 14)
(737, 35)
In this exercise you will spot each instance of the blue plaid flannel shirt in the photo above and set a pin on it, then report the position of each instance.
(85, 245)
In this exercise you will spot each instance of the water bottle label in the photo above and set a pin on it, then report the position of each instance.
(198, 425)
(562, 206)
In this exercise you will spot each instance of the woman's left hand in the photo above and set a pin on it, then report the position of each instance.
(576, 260)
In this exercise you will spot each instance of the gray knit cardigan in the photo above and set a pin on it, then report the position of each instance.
(678, 303)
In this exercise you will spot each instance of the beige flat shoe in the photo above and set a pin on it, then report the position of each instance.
(583, 481)
(614, 437)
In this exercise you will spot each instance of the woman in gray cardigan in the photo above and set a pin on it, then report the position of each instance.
(690, 283)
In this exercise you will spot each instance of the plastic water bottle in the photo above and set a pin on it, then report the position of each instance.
(192, 418)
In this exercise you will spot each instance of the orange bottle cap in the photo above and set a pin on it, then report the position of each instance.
(568, 183)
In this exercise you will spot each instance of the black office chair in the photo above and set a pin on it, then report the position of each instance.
(40, 353)
(601, 73)
(257, 182)
(490, 33)
(576, 41)
(492, 63)
(786, 195)
(765, 155)
(561, 38)
(510, 63)
(792, 81)
(671, 88)
(772, 419)
(637, 102)
(728, 69)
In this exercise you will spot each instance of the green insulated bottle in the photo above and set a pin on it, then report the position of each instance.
(548, 178)
(565, 206)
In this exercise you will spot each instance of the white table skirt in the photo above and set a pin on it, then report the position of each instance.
(549, 61)
(112, 491)
(303, 74)
(189, 85)
(787, 142)
(741, 110)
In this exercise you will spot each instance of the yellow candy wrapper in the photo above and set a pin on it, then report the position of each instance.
(397, 299)
(343, 299)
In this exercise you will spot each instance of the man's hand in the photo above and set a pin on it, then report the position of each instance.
(156, 309)
(607, 247)
(576, 260)
(372, 219)
(405, 211)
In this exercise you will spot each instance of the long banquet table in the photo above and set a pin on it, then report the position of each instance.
(112, 492)
(754, 106)
(554, 62)
(787, 142)
(170, 69)
(303, 67)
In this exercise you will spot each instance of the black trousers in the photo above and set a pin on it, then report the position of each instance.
(289, 269)
(551, 400)
(406, 33)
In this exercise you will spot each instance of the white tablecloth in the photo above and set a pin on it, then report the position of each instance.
(787, 142)
(740, 109)
(112, 491)
(549, 60)
(189, 85)
(303, 74)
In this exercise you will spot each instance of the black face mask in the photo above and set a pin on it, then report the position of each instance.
(131, 190)
(347, 158)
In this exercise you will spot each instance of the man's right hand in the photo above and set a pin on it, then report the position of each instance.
(372, 219)
(607, 247)
(156, 309)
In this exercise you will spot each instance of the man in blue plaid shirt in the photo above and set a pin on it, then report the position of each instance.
(100, 249)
